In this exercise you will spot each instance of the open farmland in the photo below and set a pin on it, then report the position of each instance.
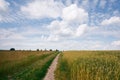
(88, 65)
(25, 65)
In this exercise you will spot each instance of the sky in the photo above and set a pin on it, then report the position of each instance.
(60, 24)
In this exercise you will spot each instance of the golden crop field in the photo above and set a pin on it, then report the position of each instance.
(88, 65)
(25, 65)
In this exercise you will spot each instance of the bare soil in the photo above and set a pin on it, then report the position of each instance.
(50, 73)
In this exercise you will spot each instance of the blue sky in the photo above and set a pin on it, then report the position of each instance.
(60, 24)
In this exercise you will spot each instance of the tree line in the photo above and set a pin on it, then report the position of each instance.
(13, 49)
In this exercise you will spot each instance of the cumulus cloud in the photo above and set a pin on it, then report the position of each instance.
(72, 23)
(111, 21)
(81, 30)
(42, 9)
(59, 29)
(73, 13)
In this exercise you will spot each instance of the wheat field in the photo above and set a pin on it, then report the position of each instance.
(88, 65)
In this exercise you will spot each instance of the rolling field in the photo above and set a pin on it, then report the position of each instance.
(25, 65)
(88, 65)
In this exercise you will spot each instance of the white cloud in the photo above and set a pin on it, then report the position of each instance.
(82, 45)
(4, 9)
(98, 32)
(53, 38)
(10, 34)
(72, 24)
(116, 43)
(62, 30)
(42, 9)
(74, 14)
(24, 32)
(6, 12)
(4, 5)
(81, 30)
(112, 21)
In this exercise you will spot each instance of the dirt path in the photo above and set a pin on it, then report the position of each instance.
(50, 73)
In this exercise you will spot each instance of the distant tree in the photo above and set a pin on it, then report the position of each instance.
(57, 50)
(50, 49)
(37, 49)
(12, 49)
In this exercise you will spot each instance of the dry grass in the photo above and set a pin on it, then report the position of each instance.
(9, 56)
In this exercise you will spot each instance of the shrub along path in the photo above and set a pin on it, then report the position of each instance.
(50, 73)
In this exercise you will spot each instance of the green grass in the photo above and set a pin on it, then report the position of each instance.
(89, 65)
(29, 65)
